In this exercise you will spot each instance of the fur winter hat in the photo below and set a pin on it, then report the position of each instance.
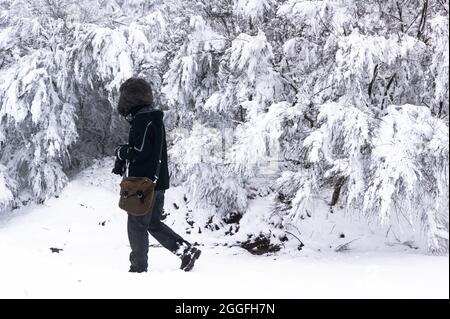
(135, 93)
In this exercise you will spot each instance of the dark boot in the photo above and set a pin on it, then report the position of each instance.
(137, 270)
(189, 257)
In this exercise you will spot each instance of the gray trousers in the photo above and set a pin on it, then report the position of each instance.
(140, 226)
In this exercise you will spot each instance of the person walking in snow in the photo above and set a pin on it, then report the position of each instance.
(141, 156)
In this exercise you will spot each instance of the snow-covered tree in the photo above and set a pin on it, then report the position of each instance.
(59, 81)
(335, 102)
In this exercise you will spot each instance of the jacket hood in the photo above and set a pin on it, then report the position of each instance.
(135, 93)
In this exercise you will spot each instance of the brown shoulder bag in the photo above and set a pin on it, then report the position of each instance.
(137, 194)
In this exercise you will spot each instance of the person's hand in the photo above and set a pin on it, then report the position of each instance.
(119, 167)
(122, 152)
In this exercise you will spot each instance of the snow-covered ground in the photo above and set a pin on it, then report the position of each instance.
(86, 224)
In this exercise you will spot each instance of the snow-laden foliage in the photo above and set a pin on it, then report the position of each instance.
(203, 159)
(191, 78)
(305, 103)
(339, 146)
(439, 66)
(408, 173)
(393, 169)
(252, 82)
(257, 141)
(60, 74)
(251, 9)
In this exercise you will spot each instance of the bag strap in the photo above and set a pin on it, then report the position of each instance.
(138, 149)
(158, 165)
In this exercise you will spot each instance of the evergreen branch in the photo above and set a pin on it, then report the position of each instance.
(391, 81)
(325, 26)
(442, 4)
(320, 91)
(289, 233)
(412, 22)
(296, 162)
(284, 78)
(310, 120)
(423, 20)
(345, 246)
(374, 77)
(400, 15)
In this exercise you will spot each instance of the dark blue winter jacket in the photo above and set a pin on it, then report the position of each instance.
(144, 142)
